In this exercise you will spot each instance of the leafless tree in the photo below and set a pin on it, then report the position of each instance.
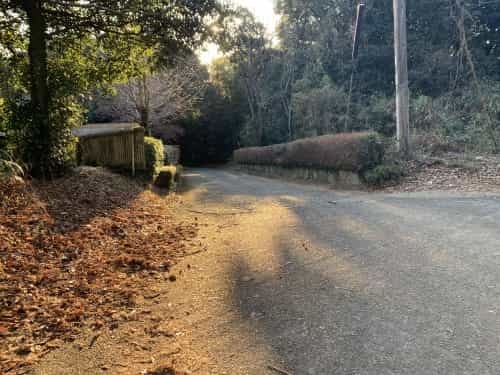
(461, 15)
(162, 97)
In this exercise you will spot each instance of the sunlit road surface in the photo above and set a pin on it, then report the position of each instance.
(323, 282)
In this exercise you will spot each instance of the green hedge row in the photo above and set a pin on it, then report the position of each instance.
(354, 152)
(154, 155)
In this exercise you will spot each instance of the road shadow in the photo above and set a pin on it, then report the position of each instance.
(302, 317)
(385, 291)
(403, 283)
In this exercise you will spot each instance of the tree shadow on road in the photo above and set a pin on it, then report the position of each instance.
(348, 308)
(385, 292)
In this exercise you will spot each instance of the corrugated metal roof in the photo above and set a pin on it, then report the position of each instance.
(92, 130)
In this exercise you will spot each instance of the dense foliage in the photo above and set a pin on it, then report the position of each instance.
(62, 62)
(211, 134)
(53, 52)
(298, 86)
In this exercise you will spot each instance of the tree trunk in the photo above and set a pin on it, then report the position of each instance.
(144, 113)
(290, 122)
(464, 43)
(144, 104)
(40, 145)
(260, 131)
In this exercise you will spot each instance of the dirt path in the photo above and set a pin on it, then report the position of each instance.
(304, 280)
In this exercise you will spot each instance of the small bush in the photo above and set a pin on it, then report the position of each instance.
(8, 167)
(168, 177)
(383, 173)
(354, 152)
(154, 155)
(378, 114)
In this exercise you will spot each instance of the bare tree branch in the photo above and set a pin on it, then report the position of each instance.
(163, 97)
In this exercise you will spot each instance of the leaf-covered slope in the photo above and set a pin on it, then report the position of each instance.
(76, 253)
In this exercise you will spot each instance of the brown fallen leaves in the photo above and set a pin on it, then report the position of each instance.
(450, 172)
(77, 252)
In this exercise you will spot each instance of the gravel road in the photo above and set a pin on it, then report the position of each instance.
(314, 281)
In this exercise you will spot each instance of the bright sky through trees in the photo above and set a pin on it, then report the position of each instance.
(264, 12)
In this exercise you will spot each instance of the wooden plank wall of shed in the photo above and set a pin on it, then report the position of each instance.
(114, 150)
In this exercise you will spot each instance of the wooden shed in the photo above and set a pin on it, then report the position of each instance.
(115, 145)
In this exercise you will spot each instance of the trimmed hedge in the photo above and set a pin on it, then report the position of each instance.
(154, 155)
(353, 152)
(168, 176)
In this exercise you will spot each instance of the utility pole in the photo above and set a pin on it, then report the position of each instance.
(402, 89)
(354, 59)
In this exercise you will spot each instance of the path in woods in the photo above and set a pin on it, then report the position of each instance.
(307, 280)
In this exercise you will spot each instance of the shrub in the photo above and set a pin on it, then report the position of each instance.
(8, 167)
(377, 114)
(423, 113)
(383, 173)
(154, 155)
(464, 120)
(168, 177)
(44, 155)
(353, 152)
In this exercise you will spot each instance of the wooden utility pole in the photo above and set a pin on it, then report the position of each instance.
(357, 31)
(402, 89)
(354, 60)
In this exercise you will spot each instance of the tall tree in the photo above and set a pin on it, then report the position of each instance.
(244, 40)
(174, 24)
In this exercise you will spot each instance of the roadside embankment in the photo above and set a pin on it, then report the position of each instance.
(341, 160)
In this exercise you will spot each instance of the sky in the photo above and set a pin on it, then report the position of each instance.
(263, 11)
